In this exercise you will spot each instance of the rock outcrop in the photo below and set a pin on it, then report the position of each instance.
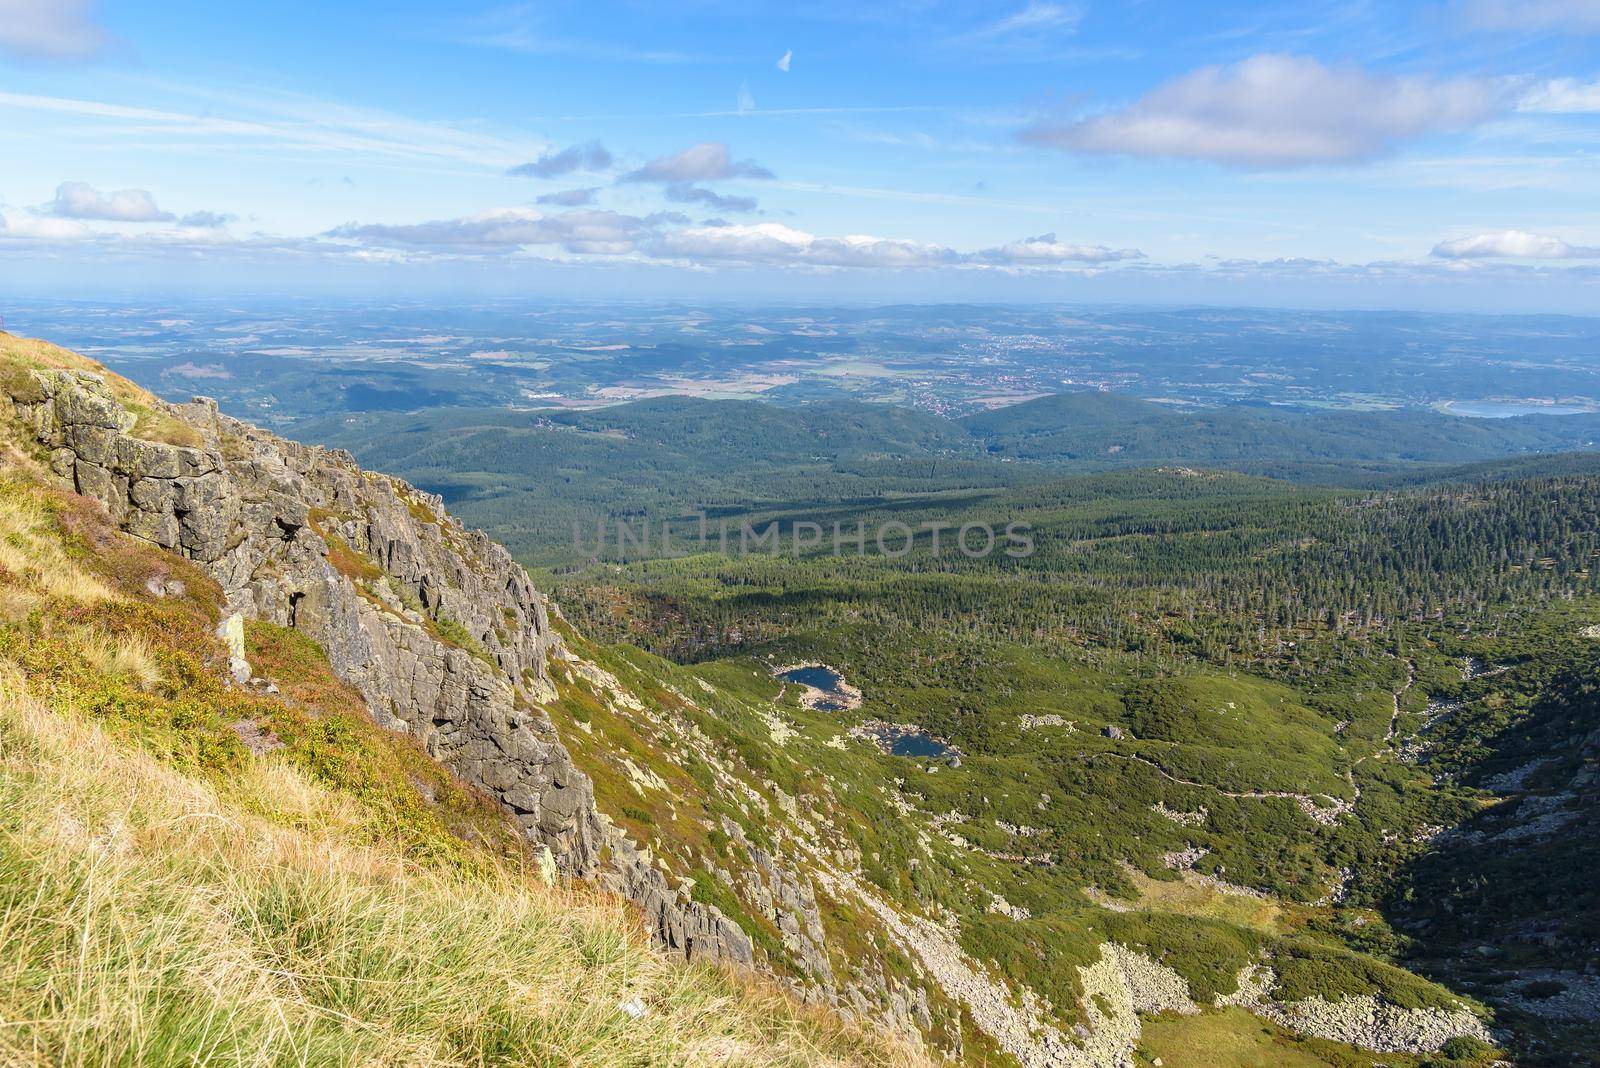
(437, 626)
(1362, 1021)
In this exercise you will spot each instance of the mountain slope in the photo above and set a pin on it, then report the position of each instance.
(194, 871)
(747, 826)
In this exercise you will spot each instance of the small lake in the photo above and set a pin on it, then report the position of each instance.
(1488, 409)
(906, 740)
(919, 744)
(826, 680)
(827, 691)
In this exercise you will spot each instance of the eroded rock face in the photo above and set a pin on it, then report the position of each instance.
(437, 626)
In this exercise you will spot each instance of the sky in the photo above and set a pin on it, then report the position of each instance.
(1437, 155)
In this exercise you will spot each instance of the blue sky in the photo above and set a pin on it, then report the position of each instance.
(1431, 155)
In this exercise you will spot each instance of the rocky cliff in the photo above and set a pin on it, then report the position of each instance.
(436, 626)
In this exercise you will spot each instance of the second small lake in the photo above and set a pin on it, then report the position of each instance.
(906, 740)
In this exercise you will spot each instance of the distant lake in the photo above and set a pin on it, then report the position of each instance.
(1486, 409)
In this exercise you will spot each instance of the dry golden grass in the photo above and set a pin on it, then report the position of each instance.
(18, 355)
(1191, 897)
(146, 920)
(130, 654)
(32, 551)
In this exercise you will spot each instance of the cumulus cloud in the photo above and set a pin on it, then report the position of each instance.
(1046, 249)
(1276, 110)
(1581, 16)
(60, 30)
(684, 193)
(706, 162)
(80, 200)
(570, 198)
(1512, 244)
(786, 59)
(588, 157)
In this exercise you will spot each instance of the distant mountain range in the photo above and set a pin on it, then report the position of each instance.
(529, 475)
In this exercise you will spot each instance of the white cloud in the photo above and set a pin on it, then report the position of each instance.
(590, 157)
(61, 30)
(200, 232)
(745, 103)
(777, 244)
(80, 200)
(785, 60)
(29, 227)
(1563, 96)
(1581, 16)
(1275, 110)
(1512, 244)
(1045, 249)
(706, 162)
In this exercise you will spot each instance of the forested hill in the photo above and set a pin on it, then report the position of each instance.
(1102, 429)
(528, 476)
(1089, 431)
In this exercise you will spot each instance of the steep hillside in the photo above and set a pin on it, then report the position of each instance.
(1036, 900)
(199, 870)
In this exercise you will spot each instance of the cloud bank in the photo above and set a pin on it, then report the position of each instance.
(1512, 244)
(1275, 110)
(669, 236)
(595, 232)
